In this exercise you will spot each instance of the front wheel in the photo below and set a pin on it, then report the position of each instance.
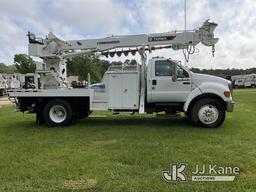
(57, 112)
(207, 113)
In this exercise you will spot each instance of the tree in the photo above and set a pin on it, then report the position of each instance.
(7, 68)
(24, 63)
(104, 65)
(82, 65)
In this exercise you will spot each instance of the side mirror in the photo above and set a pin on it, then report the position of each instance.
(174, 77)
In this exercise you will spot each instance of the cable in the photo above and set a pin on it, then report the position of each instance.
(186, 55)
(188, 51)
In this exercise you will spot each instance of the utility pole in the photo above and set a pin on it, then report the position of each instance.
(185, 23)
(185, 15)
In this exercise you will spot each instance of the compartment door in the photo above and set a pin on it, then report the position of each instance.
(115, 91)
(130, 91)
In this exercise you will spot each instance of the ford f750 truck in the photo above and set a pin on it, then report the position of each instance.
(155, 85)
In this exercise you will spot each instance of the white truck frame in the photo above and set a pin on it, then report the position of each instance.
(250, 80)
(245, 81)
(2, 85)
(161, 85)
(12, 80)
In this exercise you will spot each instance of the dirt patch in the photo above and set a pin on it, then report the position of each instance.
(98, 115)
(243, 173)
(4, 101)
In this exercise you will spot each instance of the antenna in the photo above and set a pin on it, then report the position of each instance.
(185, 15)
(185, 24)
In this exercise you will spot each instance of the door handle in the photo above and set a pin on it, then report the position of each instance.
(186, 83)
(154, 82)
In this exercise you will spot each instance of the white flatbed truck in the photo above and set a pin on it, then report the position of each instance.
(2, 85)
(157, 85)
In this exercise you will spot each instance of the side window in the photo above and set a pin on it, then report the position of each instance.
(164, 68)
(181, 73)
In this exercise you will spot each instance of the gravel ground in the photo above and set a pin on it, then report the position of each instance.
(4, 101)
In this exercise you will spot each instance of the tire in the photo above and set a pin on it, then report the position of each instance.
(207, 112)
(57, 113)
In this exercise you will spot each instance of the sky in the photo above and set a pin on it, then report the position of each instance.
(82, 19)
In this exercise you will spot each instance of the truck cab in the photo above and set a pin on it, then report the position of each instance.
(240, 83)
(250, 81)
(172, 87)
(167, 81)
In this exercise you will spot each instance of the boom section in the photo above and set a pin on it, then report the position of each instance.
(52, 46)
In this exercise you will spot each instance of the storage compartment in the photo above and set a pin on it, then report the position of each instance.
(123, 89)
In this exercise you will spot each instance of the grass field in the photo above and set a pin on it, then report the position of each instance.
(124, 152)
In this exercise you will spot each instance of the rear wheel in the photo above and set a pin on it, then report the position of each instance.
(207, 113)
(57, 113)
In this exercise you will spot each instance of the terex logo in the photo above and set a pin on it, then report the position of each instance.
(176, 172)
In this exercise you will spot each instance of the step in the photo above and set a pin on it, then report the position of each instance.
(99, 101)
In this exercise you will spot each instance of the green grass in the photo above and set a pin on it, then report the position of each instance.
(125, 153)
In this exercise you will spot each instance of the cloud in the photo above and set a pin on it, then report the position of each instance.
(16, 17)
(99, 18)
(10, 39)
(237, 25)
(68, 19)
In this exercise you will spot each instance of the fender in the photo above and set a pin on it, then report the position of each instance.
(196, 92)
(207, 88)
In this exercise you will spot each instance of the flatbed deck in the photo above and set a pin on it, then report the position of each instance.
(78, 92)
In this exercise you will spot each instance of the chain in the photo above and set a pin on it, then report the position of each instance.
(213, 50)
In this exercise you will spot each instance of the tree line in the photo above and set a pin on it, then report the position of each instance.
(81, 66)
(224, 72)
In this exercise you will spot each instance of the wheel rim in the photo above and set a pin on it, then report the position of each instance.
(58, 113)
(208, 114)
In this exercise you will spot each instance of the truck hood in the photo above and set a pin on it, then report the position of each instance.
(198, 79)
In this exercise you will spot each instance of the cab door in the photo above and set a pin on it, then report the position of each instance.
(169, 82)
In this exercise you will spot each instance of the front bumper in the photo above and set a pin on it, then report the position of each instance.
(230, 106)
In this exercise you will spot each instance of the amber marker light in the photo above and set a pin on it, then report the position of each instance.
(227, 94)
